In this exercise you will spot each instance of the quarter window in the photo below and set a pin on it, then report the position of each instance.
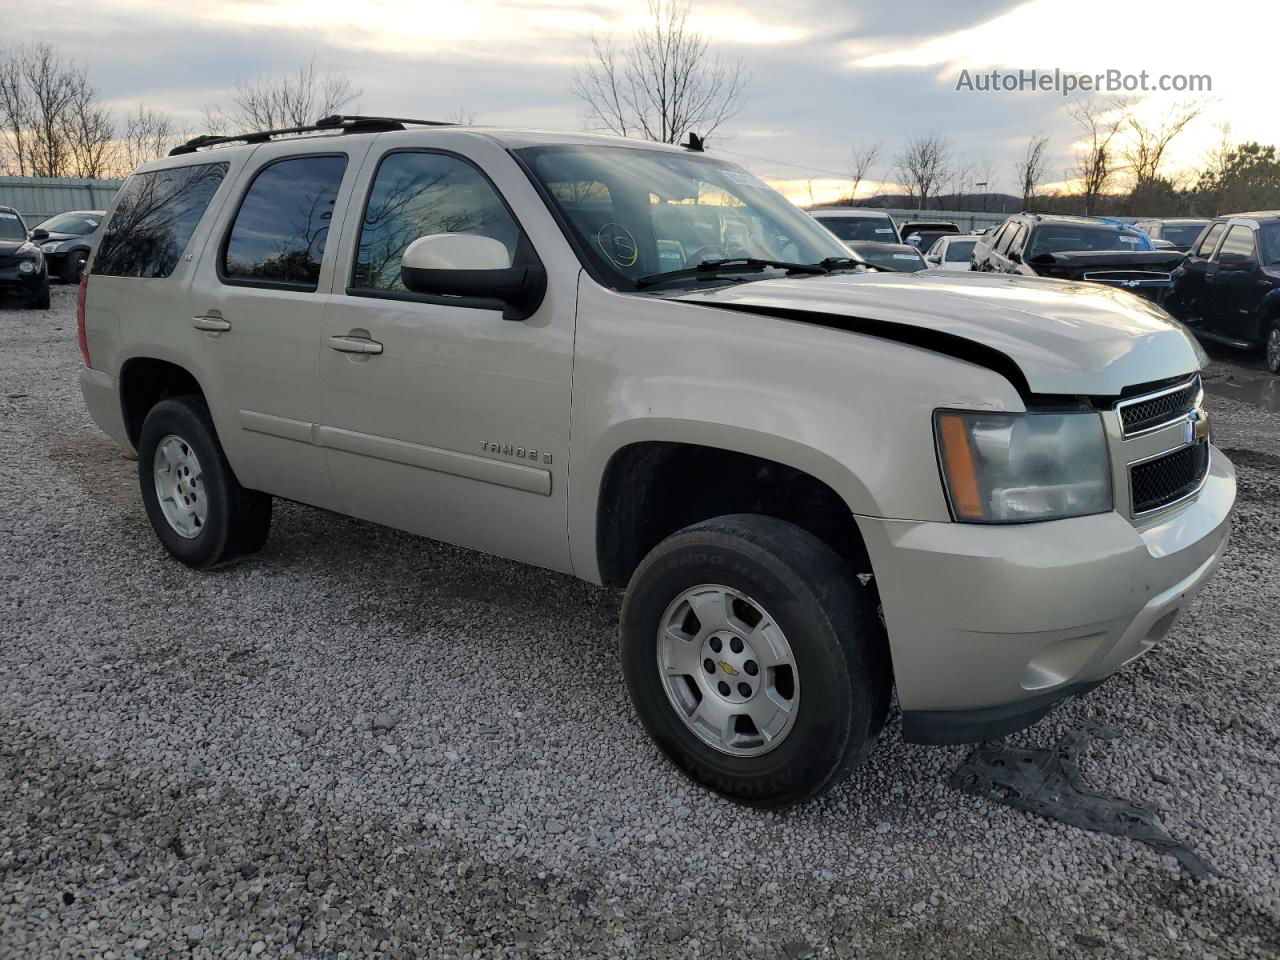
(1238, 246)
(280, 230)
(1205, 249)
(417, 195)
(155, 215)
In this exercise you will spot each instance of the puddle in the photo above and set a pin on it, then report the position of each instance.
(1260, 390)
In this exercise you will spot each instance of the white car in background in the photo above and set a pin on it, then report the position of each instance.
(952, 252)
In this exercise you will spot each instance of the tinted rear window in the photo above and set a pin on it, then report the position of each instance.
(959, 251)
(1181, 233)
(860, 228)
(281, 228)
(156, 214)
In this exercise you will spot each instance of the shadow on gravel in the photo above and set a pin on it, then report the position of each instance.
(1048, 782)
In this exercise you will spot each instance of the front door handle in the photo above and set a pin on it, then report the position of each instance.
(211, 324)
(350, 344)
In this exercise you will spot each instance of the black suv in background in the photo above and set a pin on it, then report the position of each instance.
(1181, 232)
(66, 248)
(22, 268)
(1078, 248)
(1228, 288)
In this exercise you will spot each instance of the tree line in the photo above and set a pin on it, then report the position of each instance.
(54, 122)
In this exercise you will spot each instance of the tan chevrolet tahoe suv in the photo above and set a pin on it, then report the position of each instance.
(819, 482)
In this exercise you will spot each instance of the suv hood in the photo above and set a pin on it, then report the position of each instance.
(1045, 336)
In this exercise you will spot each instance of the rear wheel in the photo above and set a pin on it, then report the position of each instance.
(196, 506)
(1272, 353)
(755, 659)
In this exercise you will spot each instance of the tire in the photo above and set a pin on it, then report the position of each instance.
(195, 504)
(41, 300)
(777, 580)
(73, 266)
(1271, 348)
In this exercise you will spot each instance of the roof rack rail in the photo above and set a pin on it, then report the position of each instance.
(344, 123)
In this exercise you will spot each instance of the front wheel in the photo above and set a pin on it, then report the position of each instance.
(194, 502)
(755, 659)
(1272, 354)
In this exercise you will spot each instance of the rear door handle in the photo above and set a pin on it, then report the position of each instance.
(355, 345)
(212, 324)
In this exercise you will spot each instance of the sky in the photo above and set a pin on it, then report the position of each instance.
(826, 76)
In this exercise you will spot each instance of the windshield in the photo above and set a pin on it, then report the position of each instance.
(1183, 234)
(1057, 238)
(860, 228)
(76, 224)
(959, 251)
(11, 227)
(639, 213)
(893, 256)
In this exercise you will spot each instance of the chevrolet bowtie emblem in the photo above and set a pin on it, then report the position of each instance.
(728, 668)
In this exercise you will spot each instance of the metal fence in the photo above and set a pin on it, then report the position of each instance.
(38, 198)
(966, 220)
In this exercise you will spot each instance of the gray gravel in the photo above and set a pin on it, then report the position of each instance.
(360, 743)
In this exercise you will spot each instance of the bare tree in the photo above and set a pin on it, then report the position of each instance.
(461, 116)
(17, 112)
(1096, 161)
(1146, 153)
(666, 83)
(90, 133)
(861, 158)
(282, 100)
(923, 166)
(146, 135)
(1030, 169)
(53, 86)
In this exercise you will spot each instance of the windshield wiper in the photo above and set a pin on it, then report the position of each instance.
(712, 268)
(843, 263)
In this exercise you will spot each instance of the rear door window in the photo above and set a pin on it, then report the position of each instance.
(155, 216)
(279, 233)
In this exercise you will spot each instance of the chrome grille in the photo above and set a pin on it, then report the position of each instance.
(1166, 479)
(1155, 410)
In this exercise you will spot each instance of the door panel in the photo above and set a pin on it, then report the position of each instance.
(259, 283)
(458, 429)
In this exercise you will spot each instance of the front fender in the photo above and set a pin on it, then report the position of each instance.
(853, 411)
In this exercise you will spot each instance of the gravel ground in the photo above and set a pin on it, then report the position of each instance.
(360, 743)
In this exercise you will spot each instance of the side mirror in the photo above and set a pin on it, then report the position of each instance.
(934, 258)
(39, 233)
(1015, 257)
(468, 265)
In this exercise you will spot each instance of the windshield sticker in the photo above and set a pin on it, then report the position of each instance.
(742, 179)
(906, 256)
(1124, 239)
(884, 229)
(8, 216)
(618, 244)
(92, 223)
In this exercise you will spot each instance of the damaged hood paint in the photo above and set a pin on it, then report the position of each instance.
(1065, 338)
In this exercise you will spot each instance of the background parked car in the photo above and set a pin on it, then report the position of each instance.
(952, 252)
(1182, 232)
(67, 247)
(1078, 248)
(1228, 287)
(855, 223)
(899, 257)
(924, 233)
(22, 267)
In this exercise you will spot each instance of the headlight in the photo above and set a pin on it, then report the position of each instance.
(1019, 467)
(27, 266)
(49, 247)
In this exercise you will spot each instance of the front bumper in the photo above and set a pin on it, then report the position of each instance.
(25, 285)
(991, 626)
